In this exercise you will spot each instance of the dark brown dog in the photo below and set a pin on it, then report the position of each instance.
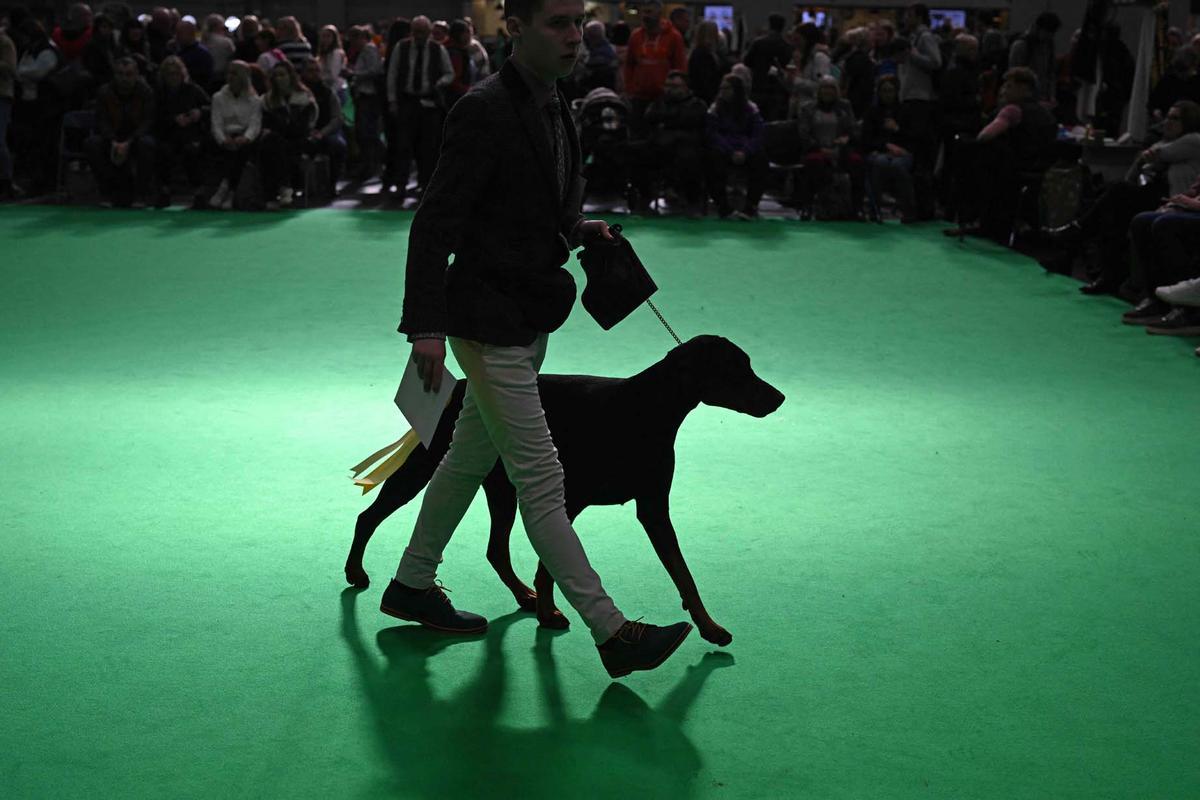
(587, 416)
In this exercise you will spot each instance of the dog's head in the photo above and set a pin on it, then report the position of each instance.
(721, 373)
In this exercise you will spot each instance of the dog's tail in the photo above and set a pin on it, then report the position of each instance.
(394, 456)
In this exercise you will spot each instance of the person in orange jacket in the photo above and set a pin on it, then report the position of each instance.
(654, 50)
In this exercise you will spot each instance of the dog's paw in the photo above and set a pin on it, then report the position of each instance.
(554, 620)
(717, 635)
(357, 577)
(527, 603)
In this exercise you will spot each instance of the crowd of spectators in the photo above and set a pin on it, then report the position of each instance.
(942, 122)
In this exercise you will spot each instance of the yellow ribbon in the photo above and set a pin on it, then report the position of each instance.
(397, 453)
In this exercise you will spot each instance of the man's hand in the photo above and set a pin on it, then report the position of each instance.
(1185, 202)
(430, 355)
(590, 229)
(896, 150)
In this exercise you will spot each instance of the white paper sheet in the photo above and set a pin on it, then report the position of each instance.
(423, 409)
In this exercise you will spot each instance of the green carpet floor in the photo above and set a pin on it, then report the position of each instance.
(959, 562)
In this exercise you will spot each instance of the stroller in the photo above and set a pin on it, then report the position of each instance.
(602, 119)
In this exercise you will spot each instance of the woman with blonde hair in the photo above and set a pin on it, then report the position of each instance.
(705, 64)
(236, 125)
(332, 59)
(289, 111)
(179, 107)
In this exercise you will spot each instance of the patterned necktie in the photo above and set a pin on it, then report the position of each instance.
(560, 143)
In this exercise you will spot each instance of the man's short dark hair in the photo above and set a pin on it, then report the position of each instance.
(1024, 76)
(776, 22)
(675, 12)
(920, 11)
(523, 9)
(1048, 21)
(678, 73)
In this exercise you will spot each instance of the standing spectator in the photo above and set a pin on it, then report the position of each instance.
(291, 42)
(8, 72)
(245, 48)
(101, 51)
(479, 53)
(121, 150)
(619, 36)
(705, 65)
(917, 66)
(160, 32)
(326, 137)
(883, 33)
(397, 32)
(135, 45)
(1178, 83)
(735, 134)
(365, 68)
(961, 113)
(236, 126)
(39, 107)
(654, 50)
(440, 32)
(458, 46)
(416, 78)
(289, 112)
(1035, 49)
(889, 159)
(1117, 68)
(810, 63)
(195, 55)
(332, 60)
(180, 106)
(220, 47)
(858, 72)
(681, 19)
(768, 57)
(599, 66)
(73, 36)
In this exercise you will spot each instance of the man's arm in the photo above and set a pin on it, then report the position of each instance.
(447, 77)
(464, 168)
(926, 54)
(393, 76)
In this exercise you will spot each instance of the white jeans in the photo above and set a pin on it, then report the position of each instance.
(502, 415)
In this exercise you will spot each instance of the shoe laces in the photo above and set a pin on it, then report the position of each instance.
(439, 589)
(632, 631)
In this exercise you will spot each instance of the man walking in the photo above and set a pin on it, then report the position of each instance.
(505, 199)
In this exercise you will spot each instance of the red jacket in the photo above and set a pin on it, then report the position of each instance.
(647, 61)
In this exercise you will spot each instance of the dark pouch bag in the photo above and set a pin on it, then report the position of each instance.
(617, 283)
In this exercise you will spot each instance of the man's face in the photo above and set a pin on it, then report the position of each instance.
(549, 43)
(124, 77)
(185, 32)
(421, 30)
(726, 91)
(651, 16)
(1174, 125)
(311, 73)
(682, 20)
(675, 89)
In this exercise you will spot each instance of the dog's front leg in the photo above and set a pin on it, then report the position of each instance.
(654, 514)
(502, 507)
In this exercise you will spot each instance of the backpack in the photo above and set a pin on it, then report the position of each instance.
(1062, 190)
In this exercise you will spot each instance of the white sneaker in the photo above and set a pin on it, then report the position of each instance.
(285, 196)
(1184, 293)
(221, 197)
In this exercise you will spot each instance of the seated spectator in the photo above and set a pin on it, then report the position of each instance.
(326, 137)
(289, 111)
(332, 60)
(1167, 168)
(365, 68)
(195, 55)
(245, 48)
(810, 63)
(1165, 243)
(73, 35)
(826, 127)
(121, 150)
(889, 160)
(1180, 83)
(735, 135)
(180, 106)
(236, 127)
(1182, 295)
(1020, 140)
(268, 54)
(675, 145)
(705, 65)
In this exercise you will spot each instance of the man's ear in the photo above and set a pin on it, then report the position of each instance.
(513, 25)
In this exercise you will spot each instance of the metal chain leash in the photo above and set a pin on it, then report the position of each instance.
(663, 321)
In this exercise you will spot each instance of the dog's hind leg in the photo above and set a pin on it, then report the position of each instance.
(395, 492)
(654, 514)
(548, 616)
(502, 507)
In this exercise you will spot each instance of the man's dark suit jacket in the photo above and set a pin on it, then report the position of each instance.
(493, 201)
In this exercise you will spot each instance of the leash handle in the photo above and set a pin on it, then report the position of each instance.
(617, 230)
